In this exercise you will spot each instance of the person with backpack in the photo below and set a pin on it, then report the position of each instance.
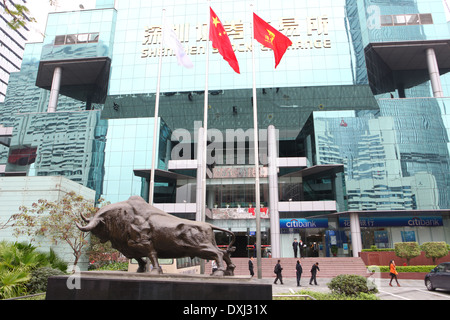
(277, 270)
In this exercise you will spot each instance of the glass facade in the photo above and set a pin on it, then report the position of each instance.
(347, 97)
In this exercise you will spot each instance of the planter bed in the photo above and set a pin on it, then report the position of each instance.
(383, 258)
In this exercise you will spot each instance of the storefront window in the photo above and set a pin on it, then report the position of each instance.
(238, 195)
(384, 231)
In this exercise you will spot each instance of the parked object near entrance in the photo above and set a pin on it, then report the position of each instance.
(439, 277)
(139, 230)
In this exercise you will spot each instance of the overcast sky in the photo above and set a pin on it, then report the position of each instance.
(40, 8)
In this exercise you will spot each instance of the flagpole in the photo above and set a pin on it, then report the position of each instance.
(256, 150)
(205, 138)
(205, 121)
(155, 125)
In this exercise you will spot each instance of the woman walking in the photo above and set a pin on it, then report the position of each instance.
(393, 272)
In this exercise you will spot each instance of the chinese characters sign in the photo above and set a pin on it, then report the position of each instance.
(306, 34)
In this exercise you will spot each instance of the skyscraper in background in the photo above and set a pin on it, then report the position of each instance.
(12, 46)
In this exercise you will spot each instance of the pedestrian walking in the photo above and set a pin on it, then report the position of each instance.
(299, 269)
(277, 270)
(250, 266)
(393, 272)
(314, 270)
(300, 247)
(213, 266)
(295, 247)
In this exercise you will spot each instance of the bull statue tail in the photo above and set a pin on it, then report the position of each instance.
(233, 238)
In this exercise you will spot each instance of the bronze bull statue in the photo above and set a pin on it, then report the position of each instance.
(139, 230)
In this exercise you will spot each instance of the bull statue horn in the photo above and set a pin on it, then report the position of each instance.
(85, 219)
(91, 225)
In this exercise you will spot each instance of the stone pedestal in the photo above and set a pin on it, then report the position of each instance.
(116, 285)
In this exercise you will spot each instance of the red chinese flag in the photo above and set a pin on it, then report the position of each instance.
(221, 42)
(271, 38)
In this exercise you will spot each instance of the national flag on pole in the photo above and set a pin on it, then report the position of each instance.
(271, 38)
(221, 42)
(170, 40)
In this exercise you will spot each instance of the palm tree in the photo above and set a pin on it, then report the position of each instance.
(17, 260)
(13, 283)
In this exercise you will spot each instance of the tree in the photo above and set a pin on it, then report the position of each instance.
(20, 14)
(407, 250)
(56, 221)
(102, 253)
(6, 224)
(434, 250)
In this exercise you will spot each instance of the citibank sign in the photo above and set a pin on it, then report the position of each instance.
(303, 223)
(411, 221)
(425, 222)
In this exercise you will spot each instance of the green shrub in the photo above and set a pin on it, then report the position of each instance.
(434, 250)
(329, 296)
(351, 285)
(39, 279)
(375, 249)
(407, 250)
(401, 269)
(114, 266)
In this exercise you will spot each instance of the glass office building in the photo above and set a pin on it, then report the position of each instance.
(12, 45)
(357, 109)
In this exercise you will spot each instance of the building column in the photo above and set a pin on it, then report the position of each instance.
(54, 93)
(355, 231)
(273, 193)
(433, 70)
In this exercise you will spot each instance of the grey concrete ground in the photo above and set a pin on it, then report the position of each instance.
(408, 290)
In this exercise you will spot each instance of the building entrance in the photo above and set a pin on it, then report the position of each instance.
(241, 245)
(313, 242)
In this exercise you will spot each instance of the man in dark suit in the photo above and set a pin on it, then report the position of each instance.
(250, 266)
(277, 271)
(295, 247)
(314, 270)
(299, 270)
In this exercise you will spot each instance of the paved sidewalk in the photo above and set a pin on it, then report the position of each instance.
(291, 284)
(408, 290)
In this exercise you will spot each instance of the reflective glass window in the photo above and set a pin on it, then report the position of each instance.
(82, 38)
(60, 40)
(399, 20)
(426, 18)
(93, 37)
(412, 19)
(71, 39)
(386, 21)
